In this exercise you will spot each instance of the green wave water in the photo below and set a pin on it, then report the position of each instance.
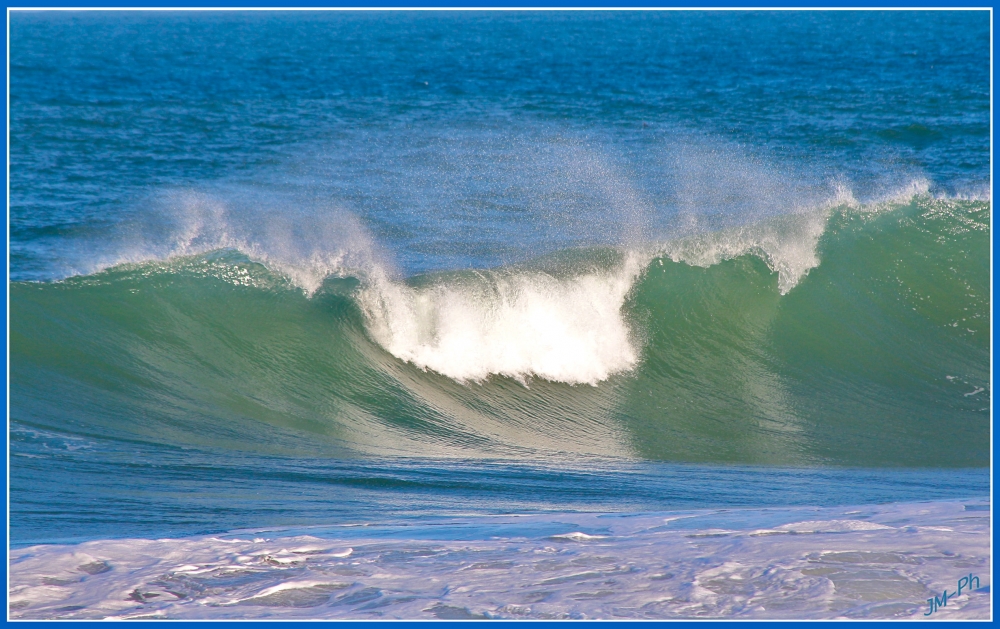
(858, 336)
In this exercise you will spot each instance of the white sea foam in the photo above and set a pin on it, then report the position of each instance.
(832, 526)
(573, 329)
(517, 324)
(872, 562)
(577, 536)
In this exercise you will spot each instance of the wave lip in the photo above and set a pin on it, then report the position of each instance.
(787, 244)
(701, 359)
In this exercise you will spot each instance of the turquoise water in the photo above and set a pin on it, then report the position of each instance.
(290, 269)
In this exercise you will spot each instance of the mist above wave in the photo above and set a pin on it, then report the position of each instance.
(564, 322)
(493, 199)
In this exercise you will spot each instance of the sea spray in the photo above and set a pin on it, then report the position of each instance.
(299, 238)
(697, 360)
(786, 243)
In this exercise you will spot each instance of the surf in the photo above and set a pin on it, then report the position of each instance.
(850, 335)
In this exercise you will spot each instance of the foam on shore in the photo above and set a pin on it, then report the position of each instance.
(872, 562)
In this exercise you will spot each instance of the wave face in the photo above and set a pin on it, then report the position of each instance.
(857, 335)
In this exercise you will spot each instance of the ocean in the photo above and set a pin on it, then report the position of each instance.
(490, 314)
